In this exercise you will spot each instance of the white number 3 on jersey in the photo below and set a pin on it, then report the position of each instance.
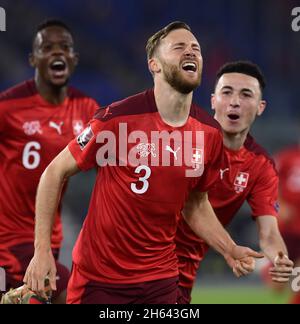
(144, 179)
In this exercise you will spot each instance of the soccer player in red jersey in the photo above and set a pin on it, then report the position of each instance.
(246, 174)
(125, 252)
(37, 119)
(288, 165)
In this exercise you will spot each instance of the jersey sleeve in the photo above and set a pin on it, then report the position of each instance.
(84, 148)
(263, 198)
(211, 173)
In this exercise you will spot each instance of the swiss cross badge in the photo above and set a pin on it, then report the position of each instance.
(78, 127)
(197, 158)
(241, 182)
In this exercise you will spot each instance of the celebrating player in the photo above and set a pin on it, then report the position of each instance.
(125, 251)
(247, 174)
(37, 120)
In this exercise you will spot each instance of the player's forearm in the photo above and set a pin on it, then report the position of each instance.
(48, 194)
(271, 244)
(201, 218)
(270, 239)
(47, 199)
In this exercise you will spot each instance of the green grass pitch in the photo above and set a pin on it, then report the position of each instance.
(237, 295)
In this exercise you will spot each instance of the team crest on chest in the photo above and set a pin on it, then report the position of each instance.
(32, 128)
(241, 182)
(197, 158)
(145, 149)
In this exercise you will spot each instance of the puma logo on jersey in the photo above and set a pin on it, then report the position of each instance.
(169, 149)
(56, 126)
(222, 172)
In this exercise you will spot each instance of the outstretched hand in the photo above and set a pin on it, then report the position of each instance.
(283, 268)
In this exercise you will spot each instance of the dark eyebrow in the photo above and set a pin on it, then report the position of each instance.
(243, 90)
(179, 44)
(246, 90)
(227, 88)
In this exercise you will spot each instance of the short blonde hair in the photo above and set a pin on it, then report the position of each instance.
(154, 40)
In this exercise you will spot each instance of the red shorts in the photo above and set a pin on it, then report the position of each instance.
(184, 295)
(82, 291)
(21, 256)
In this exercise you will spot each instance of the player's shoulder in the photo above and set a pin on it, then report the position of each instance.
(204, 118)
(20, 91)
(138, 104)
(259, 152)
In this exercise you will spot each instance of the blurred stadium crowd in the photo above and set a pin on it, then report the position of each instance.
(111, 37)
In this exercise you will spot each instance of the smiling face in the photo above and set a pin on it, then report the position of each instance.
(178, 61)
(237, 102)
(53, 56)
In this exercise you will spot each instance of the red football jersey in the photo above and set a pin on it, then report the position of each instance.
(246, 175)
(288, 165)
(32, 133)
(128, 235)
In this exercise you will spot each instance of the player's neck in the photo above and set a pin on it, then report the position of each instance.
(235, 141)
(173, 107)
(53, 95)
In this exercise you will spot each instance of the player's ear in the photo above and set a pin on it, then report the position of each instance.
(154, 66)
(212, 101)
(262, 107)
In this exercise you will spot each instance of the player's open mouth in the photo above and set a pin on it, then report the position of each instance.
(189, 67)
(58, 68)
(233, 117)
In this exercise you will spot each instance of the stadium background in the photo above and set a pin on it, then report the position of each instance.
(111, 36)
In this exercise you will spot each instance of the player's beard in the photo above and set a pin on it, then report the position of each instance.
(174, 77)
